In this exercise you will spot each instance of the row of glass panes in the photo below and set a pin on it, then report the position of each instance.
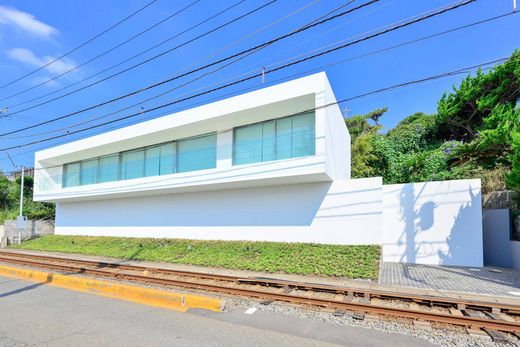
(282, 138)
(196, 153)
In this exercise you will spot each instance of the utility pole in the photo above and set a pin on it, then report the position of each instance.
(21, 217)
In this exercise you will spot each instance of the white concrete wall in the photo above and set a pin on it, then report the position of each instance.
(515, 252)
(497, 227)
(339, 212)
(433, 223)
(337, 136)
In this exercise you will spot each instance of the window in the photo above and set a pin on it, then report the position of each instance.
(197, 153)
(88, 171)
(108, 168)
(254, 143)
(71, 175)
(282, 138)
(152, 161)
(303, 136)
(166, 165)
(132, 164)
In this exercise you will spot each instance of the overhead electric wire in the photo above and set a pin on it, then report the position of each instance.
(267, 43)
(80, 46)
(303, 73)
(204, 21)
(146, 61)
(229, 78)
(359, 96)
(190, 81)
(405, 24)
(105, 52)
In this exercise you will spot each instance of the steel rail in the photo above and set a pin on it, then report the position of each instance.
(365, 307)
(272, 282)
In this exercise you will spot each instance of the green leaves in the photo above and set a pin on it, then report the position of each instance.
(10, 199)
(473, 135)
(293, 258)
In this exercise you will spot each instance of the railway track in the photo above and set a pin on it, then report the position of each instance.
(492, 317)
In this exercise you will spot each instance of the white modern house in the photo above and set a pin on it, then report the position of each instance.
(271, 165)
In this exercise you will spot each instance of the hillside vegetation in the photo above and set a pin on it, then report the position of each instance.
(475, 133)
(10, 200)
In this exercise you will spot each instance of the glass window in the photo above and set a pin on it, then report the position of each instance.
(268, 141)
(153, 161)
(197, 153)
(254, 143)
(283, 138)
(132, 164)
(167, 159)
(88, 171)
(109, 168)
(71, 175)
(303, 135)
(248, 144)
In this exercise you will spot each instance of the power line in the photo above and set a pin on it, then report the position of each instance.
(105, 52)
(80, 46)
(242, 74)
(296, 75)
(320, 68)
(125, 60)
(192, 80)
(284, 79)
(267, 43)
(372, 92)
(146, 61)
(404, 24)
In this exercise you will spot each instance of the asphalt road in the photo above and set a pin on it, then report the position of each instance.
(35, 314)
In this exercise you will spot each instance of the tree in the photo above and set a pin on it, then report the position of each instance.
(362, 135)
(463, 112)
(10, 200)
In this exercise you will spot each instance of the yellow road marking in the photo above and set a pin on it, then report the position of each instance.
(141, 295)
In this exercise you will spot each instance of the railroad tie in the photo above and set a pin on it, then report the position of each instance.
(496, 336)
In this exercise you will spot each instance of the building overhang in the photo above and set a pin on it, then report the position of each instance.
(285, 99)
(280, 172)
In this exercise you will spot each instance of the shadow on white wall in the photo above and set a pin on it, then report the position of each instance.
(433, 223)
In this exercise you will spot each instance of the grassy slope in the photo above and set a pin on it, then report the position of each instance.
(293, 258)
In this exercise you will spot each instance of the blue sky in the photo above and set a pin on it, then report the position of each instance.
(33, 33)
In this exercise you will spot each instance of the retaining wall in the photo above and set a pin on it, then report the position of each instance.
(32, 229)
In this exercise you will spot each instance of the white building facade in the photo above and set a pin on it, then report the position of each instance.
(269, 165)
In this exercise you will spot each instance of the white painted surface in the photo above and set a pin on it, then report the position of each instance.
(331, 159)
(496, 224)
(515, 252)
(308, 199)
(339, 212)
(433, 223)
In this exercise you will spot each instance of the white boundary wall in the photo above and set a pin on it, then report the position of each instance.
(339, 212)
(433, 223)
(424, 223)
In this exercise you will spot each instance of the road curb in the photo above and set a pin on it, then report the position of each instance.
(141, 295)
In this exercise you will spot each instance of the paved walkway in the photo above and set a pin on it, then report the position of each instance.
(487, 280)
